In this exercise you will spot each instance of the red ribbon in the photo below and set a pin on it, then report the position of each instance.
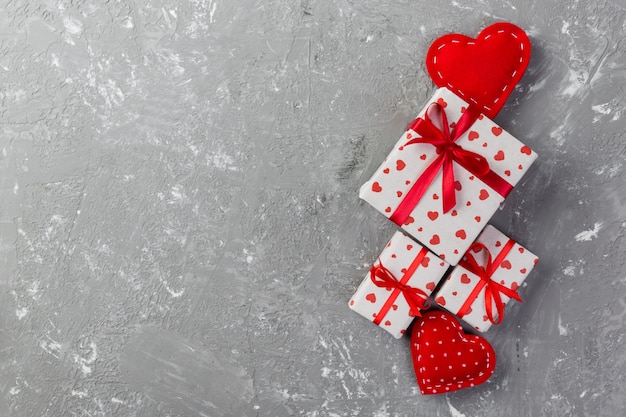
(447, 153)
(415, 297)
(493, 289)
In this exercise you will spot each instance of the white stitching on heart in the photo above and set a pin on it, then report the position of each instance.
(513, 74)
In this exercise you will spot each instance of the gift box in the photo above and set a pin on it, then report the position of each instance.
(398, 285)
(447, 175)
(488, 276)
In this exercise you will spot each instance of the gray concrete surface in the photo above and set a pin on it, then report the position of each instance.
(179, 223)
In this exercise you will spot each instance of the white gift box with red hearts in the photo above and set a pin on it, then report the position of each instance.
(413, 266)
(514, 266)
(448, 234)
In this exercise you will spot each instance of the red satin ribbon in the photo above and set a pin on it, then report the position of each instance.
(492, 289)
(415, 297)
(447, 153)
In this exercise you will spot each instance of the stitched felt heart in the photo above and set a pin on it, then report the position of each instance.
(447, 359)
(482, 71)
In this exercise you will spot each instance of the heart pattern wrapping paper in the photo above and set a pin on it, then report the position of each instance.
(460, 285)
(411, 264)
(448, 234)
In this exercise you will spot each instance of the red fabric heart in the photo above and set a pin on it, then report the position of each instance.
(447, 359)
(482, 71)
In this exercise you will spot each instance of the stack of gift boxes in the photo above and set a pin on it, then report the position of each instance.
(487, 266)
(441, 183)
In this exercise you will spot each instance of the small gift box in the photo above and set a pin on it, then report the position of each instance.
(398, 285)
(489, 274)
(447, 175)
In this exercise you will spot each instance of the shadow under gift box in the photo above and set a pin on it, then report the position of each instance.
(464, 292)
(412, 272)
(448, 234)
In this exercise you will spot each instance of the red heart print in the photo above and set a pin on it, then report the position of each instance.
(496, 130)
(499, 156)
(457, 185)
(386, 170)
(400, 165)
(445, 358)
(419, 229)
(440, 300)
(394, 307)
(425, 261)
(465, 279)
(442, 102)
(434, 240)
(423, 156)
(522, 271)
(387, 323)
(454, 213)
(484, 70)
(520, 249)
(371, 297)
(430, 286)
(461, 234)
(483, 194)
(351, 302)
(376, 187)
(477, 218)
(514, 286)
(409, 220)
(399, 193)
(507, 173)
(472, 135)
(520, 167)
(409, 247)
(407, 182)
(388, 209)
(432, 215)
(506, 264)
(525, 150)
(435, 197)
(454, 293)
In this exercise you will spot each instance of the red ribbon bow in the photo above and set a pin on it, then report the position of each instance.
(415, 298)
(493, 289)
(448, 152)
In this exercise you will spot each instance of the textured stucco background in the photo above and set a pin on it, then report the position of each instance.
(180, 229)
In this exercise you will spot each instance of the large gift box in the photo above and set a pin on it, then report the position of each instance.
(447, 175)
(398, 285)
(488, 276)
